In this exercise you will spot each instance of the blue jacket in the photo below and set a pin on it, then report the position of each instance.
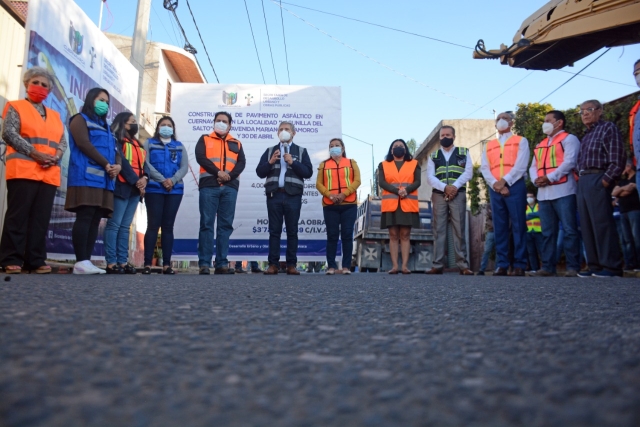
(166, 159)
(84, 172)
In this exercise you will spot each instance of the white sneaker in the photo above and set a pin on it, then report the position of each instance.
(86, 267)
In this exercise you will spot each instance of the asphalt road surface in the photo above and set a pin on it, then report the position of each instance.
(313, 350)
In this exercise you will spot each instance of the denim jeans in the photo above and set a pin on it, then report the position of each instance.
(161, 213)
(631, 228)
(489, 246)
(283, 207)
(116, 233)
(551, 213)
(505, 209)
(340, 221)
(215, 202)
(534, 249)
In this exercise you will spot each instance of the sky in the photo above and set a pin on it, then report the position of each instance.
(422, 81)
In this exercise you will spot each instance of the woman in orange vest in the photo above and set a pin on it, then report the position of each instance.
(35, 144)
(338, 179)
(128, 192)
(399, 178)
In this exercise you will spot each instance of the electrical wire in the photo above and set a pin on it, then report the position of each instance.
(383, 65)
(203, 45)
(163, 26)
(576, 75)
(507, 90)
(286, 56)
(381, 26)
(269, 40)
(597, 78)
(254, 41)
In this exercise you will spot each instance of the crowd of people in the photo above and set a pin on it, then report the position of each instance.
(110, 172)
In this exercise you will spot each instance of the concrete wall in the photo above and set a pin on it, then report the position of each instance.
(12, 45)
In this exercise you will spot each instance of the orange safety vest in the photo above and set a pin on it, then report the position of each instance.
(502, 158)
(549, 157)
(337, 178)
(43, 134)
(222, 153)
(135, 155)
(632, 123)
(400, 179)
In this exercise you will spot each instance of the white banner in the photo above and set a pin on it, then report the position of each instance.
(256, 110)
(62, 39)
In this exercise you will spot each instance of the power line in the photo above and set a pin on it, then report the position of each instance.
(381, 26)
(203, 45)
(286, 56)
(596, 78)
(162, 23)
(254, 41)
(510, 87)
(575, 75)
(269, 40)
(383, 65)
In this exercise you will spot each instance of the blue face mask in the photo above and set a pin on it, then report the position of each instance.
(165, 131)
(101, 108)
(335, 151)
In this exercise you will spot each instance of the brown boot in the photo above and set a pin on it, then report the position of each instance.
(273, 269)
(435, 271)
(291, 270)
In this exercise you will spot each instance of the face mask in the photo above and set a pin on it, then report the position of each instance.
(221, 127)
(531, 200)
(398, 152)
(502, 125)
(548, 128)
(37, 93)
(101, 108)
(165, 131)
(284, 136)
(335, 151)
(133, 129)
(446, 142)
(638, 79)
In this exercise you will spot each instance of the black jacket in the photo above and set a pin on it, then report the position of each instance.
(128, 189)
(300, 168)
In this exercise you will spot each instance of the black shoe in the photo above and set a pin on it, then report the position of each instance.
(168, 270)
(480, 273)
(239, 271)
(146, 270)
(256, 270)
(224, 270)
(116, 269)
(129, 269)
(205, 271)
(500, 272)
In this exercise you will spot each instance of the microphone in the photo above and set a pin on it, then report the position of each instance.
(286, 148)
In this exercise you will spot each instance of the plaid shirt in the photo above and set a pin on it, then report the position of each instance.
(602, 148)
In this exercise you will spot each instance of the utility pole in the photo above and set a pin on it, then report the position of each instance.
(100, 19)
(139, 47)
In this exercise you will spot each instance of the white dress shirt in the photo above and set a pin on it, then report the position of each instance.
(283, 164)
(436, 184)
(518, 170)
(571, 146)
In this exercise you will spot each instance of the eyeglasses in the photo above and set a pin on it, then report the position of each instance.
(588, 110)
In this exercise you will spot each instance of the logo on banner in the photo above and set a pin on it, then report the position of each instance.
(76, 39)
(249, 97)
(229, 98)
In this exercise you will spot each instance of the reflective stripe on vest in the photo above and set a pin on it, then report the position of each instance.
(220, 153)
(633, 115)
(399, 179)
(550, 157)
(449, 173)
(502, 158)
(43, 134)
(533, 225)
(337, 178)
(135, 155)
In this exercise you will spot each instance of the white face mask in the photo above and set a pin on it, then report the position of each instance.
(285, 136)
(502, 125)
(638, 79)
(531, 200)
(548, 128)
(221, 127)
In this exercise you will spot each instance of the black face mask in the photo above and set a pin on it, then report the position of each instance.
(133, 129)
(446, 142)
(398, 151)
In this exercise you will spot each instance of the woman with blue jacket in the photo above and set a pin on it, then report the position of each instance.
(93, 167)
(167, 163)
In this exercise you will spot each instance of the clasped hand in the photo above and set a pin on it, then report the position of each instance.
(337, 198)
(113, 170)
(402, 192)
(450, 192)
(223, 177)
(542, 181)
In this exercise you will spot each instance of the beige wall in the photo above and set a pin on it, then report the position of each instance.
(469, 133)
(12, 45)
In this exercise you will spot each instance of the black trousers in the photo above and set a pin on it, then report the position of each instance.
(29, 205)
(599, 233)
(85, 231)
